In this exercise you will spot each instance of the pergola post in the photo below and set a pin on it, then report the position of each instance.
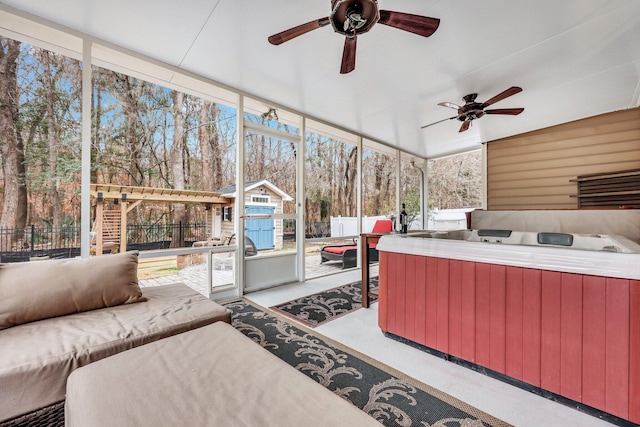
(99, 219)
(123, 223)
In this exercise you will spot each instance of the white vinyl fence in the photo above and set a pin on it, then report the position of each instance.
(438, 219)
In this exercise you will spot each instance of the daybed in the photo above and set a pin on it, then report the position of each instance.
(348, 254)
(211, 376)
(56, 316)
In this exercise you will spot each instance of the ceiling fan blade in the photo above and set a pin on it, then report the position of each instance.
(348, 55)
(439, 121)
(298, 31)
(465, 125)
(416, 24)
(449, 104)
(509, 111)
(499, 97)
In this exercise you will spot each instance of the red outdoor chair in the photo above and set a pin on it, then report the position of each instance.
(348, 254)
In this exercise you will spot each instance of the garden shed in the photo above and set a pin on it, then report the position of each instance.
(261, 198)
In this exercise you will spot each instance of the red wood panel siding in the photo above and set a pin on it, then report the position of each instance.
(410, 296)
(531, 325)
(421, 300)
(514, 323)
(399, 294)
(576, 336)
(468, 319)
(571, 337)
(550, 328)
(483, 314)
(455, 308)
(391, 292)
(617, 345)
(634, 352)
(431, 281)
(497, 325)
(383, 286)
(442, 313)
(594, 297)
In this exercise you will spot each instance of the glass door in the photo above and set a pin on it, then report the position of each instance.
(269, 211)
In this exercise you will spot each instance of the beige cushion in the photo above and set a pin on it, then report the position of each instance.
(34, 371)
(42, 289)
(210, 376)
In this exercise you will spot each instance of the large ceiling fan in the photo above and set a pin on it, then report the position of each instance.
(472, 110)
(354, 17)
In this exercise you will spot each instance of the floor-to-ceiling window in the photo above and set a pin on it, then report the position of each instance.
(153, 125)
(331, 172)
(39, 152)
(455, 187)
(272, 138)
(378, 184)
(412, 177)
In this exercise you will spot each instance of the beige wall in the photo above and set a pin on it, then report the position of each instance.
(534, 170)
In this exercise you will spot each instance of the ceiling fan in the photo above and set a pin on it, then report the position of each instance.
(354, 17)
(472, 110)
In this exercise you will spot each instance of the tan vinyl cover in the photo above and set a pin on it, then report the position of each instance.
(36, 358)
(212, 376)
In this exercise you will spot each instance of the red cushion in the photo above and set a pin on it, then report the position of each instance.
(338, 249)
(383, 226)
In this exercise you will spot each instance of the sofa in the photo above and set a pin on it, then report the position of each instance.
(57, 316)
(348, 254)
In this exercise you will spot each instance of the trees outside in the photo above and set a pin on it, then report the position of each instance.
(147, 135)
(14, 201)
(455, 181)
(379, 183)
(330, 168)
(39, 127)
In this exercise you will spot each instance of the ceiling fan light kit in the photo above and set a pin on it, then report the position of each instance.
(472, 110)
(352, 18)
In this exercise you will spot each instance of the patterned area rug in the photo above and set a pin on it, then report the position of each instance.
(317, 309)
(390, 397)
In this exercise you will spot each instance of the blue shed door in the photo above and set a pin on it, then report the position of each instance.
(261, 230)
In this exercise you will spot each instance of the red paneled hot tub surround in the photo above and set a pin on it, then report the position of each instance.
(575, 335)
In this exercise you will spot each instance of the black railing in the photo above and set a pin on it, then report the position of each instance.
(313, 229)
(23, 244)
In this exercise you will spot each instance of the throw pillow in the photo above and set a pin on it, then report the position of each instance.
(41, 289)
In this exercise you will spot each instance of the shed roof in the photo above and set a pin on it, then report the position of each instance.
(230, 190)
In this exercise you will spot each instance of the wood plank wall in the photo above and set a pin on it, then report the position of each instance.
(533, 170)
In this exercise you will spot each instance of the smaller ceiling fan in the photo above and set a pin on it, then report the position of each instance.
(354, 17)
(472, 110)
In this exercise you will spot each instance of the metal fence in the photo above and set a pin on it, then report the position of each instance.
(312, 229)
(23, 244)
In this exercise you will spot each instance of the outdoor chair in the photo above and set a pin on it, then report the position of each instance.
(348, 254)
(224, 239)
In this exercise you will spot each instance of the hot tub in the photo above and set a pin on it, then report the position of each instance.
(554, 313)
(593, 254)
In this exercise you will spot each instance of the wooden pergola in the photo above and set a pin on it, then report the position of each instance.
(111, 226)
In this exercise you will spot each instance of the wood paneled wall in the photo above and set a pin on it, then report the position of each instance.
(534, 170)
(574, 335)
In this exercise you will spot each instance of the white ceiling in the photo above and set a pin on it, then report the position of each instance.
(573, 59)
